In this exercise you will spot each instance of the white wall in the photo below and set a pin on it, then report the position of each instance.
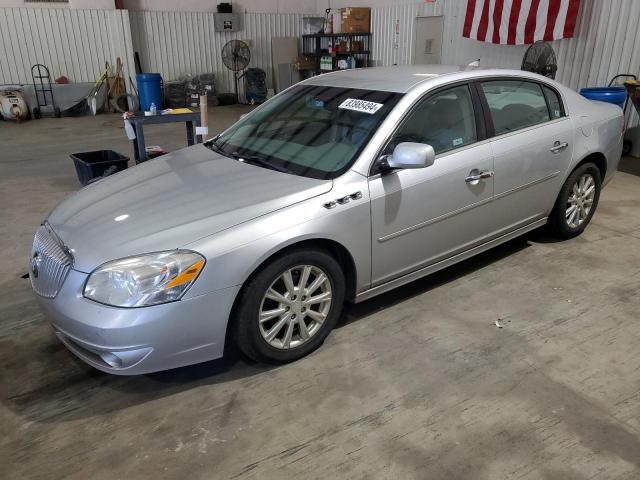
(604, 44)
(70, 42)
(254, 6)
(259, 6)
(180, 42)
(80, 4)
(176, 44)
(321, 5)
(251, 6)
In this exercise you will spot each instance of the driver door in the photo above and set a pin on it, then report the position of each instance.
(422, 216)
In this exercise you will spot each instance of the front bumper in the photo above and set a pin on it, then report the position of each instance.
(132, 341)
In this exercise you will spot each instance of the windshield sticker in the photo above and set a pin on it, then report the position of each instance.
(360, 106)
(457, 141)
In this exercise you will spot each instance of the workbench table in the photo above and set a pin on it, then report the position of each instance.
(138, 122)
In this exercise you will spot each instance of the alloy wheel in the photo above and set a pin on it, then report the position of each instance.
(580, 201)
(295, 306)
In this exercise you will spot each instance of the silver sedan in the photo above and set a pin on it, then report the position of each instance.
(338, 189)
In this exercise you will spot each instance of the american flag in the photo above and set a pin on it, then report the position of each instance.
(519, 22)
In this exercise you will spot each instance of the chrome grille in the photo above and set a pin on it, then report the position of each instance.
(50, 263)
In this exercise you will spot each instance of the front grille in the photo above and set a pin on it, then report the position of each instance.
(50, 263)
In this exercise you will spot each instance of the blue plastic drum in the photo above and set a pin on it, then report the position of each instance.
(615, 95)
(149, 90)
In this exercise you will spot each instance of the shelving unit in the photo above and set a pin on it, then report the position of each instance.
(357, 45)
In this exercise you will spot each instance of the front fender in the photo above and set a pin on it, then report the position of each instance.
(234, 254)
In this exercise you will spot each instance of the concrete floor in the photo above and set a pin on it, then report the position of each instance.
(418, 383)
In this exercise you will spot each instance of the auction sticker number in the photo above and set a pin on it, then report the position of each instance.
(360, 106)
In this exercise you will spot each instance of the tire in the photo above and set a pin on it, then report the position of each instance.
(568, 225)
(256, 339)
(57, 113)
(626, 147)
(36, 113)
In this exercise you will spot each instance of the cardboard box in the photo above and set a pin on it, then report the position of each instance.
(304, 63)
(355, 20)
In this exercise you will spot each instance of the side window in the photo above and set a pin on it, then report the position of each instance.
(555, 106)
(444, 120)
(515, 104)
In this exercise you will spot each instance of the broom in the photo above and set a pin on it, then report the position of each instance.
(90, 102)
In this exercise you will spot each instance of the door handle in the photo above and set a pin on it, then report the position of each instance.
(558, 147)
(476, 175)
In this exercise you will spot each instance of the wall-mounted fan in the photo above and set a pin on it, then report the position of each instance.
(541, 59)
(236, 56)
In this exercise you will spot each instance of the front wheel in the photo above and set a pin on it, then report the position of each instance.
(289, 307)
(576, 202)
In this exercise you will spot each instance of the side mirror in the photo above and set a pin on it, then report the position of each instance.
(411, 155)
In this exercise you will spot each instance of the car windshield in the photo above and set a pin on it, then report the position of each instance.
(309, 130)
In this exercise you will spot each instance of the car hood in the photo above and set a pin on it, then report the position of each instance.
(169, 202)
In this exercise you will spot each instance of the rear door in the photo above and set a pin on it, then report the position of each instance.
(532, 146)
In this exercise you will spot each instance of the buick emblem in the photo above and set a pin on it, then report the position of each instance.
(35, 262)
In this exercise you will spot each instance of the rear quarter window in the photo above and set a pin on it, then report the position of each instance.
(555, 104)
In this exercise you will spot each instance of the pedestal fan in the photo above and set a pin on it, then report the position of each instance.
(541, 59)
(236, 56)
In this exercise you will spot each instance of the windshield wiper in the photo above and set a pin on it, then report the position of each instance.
(260, 161)
(213, 145)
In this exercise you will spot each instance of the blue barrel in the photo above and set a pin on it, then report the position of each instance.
(149, 90)
(615, 95)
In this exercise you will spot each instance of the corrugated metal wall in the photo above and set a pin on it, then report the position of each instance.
(75, 43)
(393, 33)
(184, 43)
(607, 41)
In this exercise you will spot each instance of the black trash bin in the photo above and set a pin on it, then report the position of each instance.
(90, 165)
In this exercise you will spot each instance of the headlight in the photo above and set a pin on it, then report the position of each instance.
(144, 280)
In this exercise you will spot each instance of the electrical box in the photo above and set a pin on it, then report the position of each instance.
(226, 22)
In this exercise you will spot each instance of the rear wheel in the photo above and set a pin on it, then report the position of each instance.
(576, 202)
(288, 308)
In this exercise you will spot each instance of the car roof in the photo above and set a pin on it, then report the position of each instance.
(401, 79)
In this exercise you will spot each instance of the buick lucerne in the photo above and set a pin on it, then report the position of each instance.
(340, 188)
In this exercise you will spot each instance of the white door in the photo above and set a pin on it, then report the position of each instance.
(428, 41)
